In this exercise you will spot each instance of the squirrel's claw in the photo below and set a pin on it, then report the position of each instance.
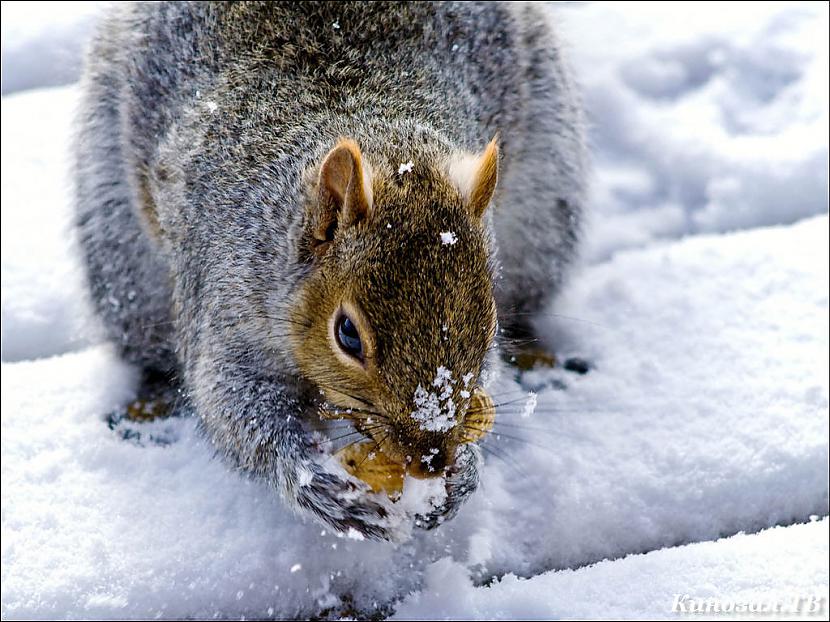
(344, 507)
(462, 481)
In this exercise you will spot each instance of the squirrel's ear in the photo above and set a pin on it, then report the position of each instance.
(475, 177)
(344, 195)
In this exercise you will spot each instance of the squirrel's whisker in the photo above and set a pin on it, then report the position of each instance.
(558, 316)
(361, 432)
(374, 449)
(553, 410)
(519, 426)
(499, 455)
(347, 394)
(495, 435)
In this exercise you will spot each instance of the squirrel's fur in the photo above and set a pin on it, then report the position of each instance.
(215, 256)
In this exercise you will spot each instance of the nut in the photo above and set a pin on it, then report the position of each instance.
(369, 464)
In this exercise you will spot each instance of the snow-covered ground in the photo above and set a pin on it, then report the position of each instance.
(782, 567)
(43, 41)
(702, 304)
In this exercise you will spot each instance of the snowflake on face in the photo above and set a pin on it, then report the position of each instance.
(448, 237)
(435, 409)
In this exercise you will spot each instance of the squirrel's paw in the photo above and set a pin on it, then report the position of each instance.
(461, 482)
(345, 506)
(148, 410)
(350, 507)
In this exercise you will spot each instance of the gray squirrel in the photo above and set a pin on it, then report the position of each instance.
(288, 209)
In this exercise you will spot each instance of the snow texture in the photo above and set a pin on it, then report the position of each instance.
(701, 304)
(448, 237)
(530, 405)
(706, 118)
(43, 43)
(772, 567)
(435, 409)
(43, 309)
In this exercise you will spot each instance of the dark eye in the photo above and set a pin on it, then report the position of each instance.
(348, 338)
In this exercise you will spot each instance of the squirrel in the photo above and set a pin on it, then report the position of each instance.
(289, 207)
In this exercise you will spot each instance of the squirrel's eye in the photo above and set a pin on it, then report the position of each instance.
(348, 338)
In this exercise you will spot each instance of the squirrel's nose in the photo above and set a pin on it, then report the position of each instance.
(430, 463)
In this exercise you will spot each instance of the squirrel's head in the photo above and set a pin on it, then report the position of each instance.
(396, 316)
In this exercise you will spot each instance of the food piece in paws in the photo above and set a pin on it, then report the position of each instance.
(367, 463)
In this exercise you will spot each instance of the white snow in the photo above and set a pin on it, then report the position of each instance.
(43, 310)
(422, 496)
(702, 305)
(705, 414)
(43, 42)
(448, 237)
(705, 118)
(775, 567)
(94, 526)
(530, 405)
(435, 409)
(405, 167)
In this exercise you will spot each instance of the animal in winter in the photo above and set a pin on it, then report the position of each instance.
(298, 216)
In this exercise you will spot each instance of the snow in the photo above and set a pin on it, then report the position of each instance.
(43, 311)
(422, 496)
(435, 410)
(773, 567)
(705, 118)
(705, 412)
(405, 167)
(676, 436)
(42, 44)
(448, 237)
(701, 304)
(94, 526)
(530, 405)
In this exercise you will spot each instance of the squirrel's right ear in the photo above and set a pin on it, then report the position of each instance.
(344, 195)
(475, 177)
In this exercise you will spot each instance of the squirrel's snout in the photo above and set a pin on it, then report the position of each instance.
(428, 464)
(432, 454)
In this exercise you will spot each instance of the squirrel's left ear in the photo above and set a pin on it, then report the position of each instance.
(344, 194)
(475, 177)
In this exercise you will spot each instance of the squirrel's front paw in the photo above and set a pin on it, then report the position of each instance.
(350, 507)
(461, 482)
(345, 506)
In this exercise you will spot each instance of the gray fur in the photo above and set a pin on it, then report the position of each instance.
(210, 114)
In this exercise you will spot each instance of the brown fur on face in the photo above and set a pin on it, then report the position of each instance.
(418, 303)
